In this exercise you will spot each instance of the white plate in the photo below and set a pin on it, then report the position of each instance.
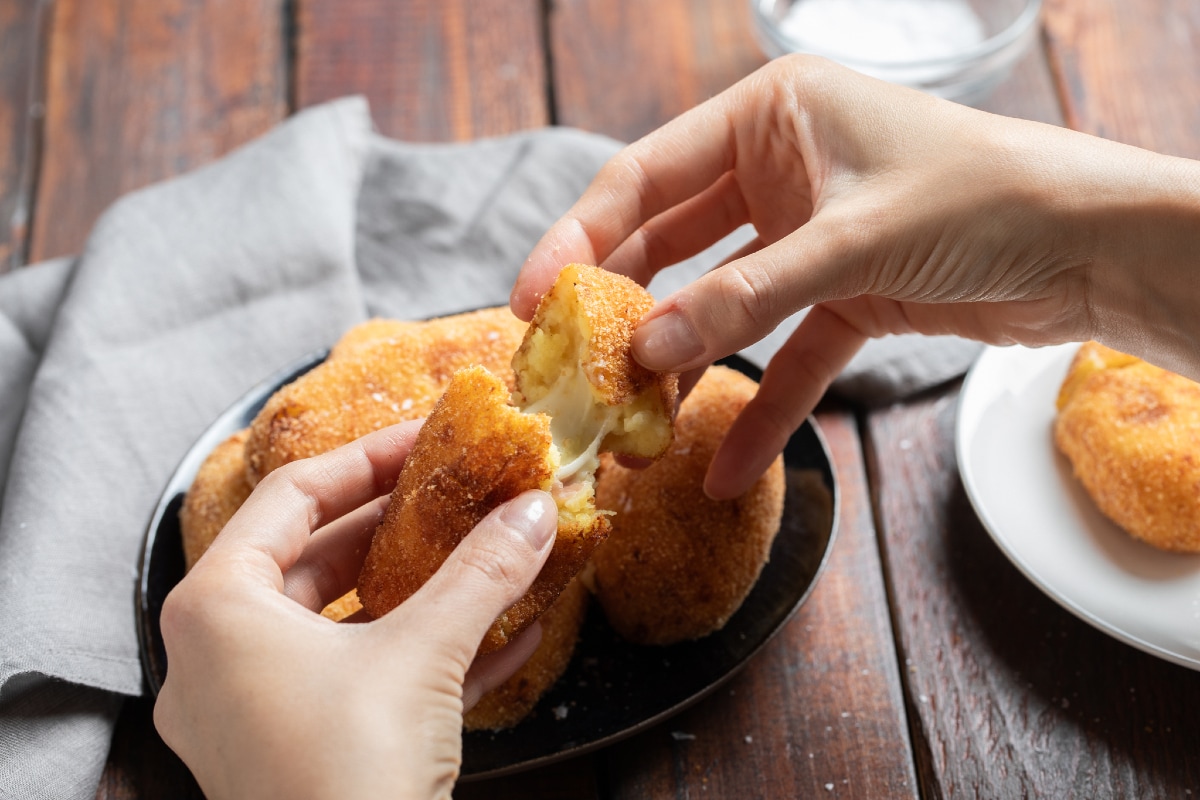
(1025, 494)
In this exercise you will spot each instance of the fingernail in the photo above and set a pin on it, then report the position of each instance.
(529, 515)
(666, 342)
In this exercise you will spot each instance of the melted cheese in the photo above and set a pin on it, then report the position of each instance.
(578, 424)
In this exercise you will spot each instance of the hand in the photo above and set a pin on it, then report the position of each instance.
(266, 698)
(888, 211)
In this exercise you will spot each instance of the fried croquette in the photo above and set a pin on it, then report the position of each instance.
(380, 373)
(369, 332)
(1132, 434)
(217, 491)
(511, 701)
(474, 452)
(576, 364)
(678, 564)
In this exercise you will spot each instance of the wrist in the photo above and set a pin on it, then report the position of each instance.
(1146, 287)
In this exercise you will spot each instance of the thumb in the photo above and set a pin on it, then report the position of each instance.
(489, 571)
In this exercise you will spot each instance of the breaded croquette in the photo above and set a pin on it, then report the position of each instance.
(576, 364)
(511, 701)
(1132, 434)
(380, 373)
(678, 564)
(474, 452)
(217, 491)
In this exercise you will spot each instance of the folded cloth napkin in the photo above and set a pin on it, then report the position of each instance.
(191, 291)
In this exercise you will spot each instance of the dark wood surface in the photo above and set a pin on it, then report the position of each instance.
(433, 70)
(924, 664)
(22, 34)
(140, 91)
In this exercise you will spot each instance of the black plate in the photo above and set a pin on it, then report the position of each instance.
(612, 689)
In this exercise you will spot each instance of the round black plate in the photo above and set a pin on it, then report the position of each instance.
(612, 689)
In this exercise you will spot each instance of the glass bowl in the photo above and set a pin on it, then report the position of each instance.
(956, 49)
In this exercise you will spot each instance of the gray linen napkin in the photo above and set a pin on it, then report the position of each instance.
(189, 292)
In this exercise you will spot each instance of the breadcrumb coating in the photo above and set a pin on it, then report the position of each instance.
(678, 564)
(1132, 434)
(380, 373)
(217, 491)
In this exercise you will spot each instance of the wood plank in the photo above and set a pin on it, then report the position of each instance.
(22, 25)
(819, 712)
(1012, 695)
(433, 70)
(624, 67)
(1130, 71)
(138, 92)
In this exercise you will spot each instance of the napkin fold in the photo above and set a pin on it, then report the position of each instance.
(189, 292)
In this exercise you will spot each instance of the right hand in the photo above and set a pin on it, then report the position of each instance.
(888, 211)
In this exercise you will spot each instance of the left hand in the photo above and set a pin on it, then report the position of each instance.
(266, 698)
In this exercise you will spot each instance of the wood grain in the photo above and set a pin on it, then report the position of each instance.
(1012, 696)
(1130, 71)
(819, 712)
(624, 67)
(433, 70)
(141, 91)
(22, 27)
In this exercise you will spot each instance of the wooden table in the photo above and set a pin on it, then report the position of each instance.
(924, 664)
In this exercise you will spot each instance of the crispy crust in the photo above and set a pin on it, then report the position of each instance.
(1132, 434)
(679, 564)
(369, 332)
(511, 701)
(607, 308)
(343, 607)
(218, 490)
(380, 373)
(474, 452)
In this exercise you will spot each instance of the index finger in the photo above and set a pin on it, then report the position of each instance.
(273, 526)
(655, 173)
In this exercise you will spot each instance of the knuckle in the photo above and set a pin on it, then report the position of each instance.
(295, 480)
(777, 419)
(494, 566)
(748, 293)
(178, 614)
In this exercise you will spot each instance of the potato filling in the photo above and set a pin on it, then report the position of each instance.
(555, 384)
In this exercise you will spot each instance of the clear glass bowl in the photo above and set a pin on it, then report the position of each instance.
(957, 49)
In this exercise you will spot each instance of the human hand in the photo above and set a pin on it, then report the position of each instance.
(888, 211)
(266, 698)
